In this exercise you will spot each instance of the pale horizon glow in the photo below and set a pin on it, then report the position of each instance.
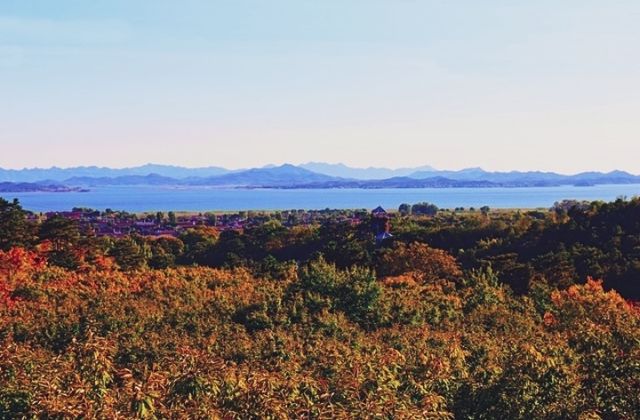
(547, 85)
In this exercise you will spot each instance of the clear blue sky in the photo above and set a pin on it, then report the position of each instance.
(550, 85)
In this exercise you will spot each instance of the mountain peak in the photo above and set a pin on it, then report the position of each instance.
(344, 171)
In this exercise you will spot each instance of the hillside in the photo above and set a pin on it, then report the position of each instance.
(459, 314)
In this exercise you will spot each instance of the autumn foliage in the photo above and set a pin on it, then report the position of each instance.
(422, 340)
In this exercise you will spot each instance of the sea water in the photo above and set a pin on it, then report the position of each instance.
(199, 199)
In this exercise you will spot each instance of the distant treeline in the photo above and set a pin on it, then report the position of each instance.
(560, 247)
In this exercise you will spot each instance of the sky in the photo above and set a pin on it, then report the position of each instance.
(498, 84)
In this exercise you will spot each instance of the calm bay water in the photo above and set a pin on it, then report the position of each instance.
(139, 199)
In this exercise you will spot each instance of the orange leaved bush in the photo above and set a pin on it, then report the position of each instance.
(17, 265)
(320, 342)
(419, 261)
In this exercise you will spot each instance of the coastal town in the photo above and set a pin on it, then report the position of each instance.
(119, 224)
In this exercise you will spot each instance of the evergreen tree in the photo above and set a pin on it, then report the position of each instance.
(15, 229)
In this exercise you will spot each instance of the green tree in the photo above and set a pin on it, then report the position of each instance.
(354, 291)
(64, 236)
(405, 209)
(15, 229)
(63, 233)
(212, 219)
(165, 252)
(128, 254)
(172, 218)
(198, 245)
(425, 209)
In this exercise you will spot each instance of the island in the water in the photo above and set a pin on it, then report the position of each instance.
(19, 187)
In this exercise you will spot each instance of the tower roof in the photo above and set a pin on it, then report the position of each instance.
(379, 210)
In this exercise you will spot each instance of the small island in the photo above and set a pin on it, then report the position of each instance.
(19, 187)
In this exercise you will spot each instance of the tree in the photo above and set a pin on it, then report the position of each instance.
(199, 244)
(422, 262)
(405, 209)
(128, 254)
(63, 233)
(603, 329)
(15, 230)
(64, 236)
(212, 219)
(165, 251)
(354, 291)
(172, 218)
(425, 209)
(537, 380)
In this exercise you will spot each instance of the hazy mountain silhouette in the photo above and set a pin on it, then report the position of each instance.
(61, 174)
(343, 171)
(310, 175)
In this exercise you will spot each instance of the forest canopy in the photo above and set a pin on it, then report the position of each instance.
(461, 314)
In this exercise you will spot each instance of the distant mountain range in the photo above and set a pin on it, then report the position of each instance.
(532, 178)
(343, 171)
(275, 177)
(63, 174)
(310, 175)
(279, 176)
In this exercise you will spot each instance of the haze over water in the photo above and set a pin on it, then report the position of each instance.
(141, 199)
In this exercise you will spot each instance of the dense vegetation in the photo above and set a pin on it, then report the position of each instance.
(477, 315)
